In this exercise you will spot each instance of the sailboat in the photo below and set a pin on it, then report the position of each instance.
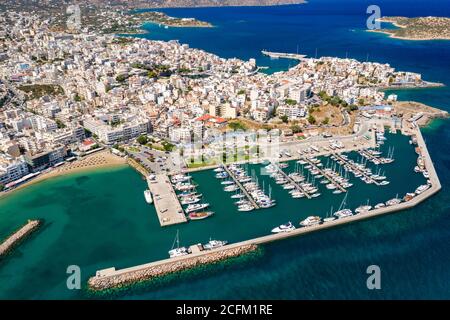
(343, 213)
(364, 208)
(178, 251)
(329, 216)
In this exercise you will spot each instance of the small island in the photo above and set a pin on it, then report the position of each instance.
(421, 28)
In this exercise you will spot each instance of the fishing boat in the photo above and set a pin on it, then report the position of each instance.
(311, 221)
(214, 244)
(148, 196)
(287, 227)
(178, 251)
(200, 215)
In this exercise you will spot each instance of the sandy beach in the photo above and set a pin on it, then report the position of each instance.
(103, 159)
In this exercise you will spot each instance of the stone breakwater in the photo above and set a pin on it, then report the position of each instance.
(116, 279)
(14, 239)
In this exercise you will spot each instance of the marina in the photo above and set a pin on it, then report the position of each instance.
(309, 223)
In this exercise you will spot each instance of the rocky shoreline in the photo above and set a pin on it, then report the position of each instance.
(17, 237)
(118, 279)
(418, 28)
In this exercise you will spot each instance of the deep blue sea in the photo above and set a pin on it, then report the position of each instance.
(412, 248)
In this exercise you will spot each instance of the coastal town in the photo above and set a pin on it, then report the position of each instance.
(73, 100)
(64, 96)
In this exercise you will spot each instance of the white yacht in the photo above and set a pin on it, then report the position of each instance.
(196, 207)
(178, 251)
(246, 208)
(311, 221)
(148, 196)
(213, 244)
(380, 205)
(288, 227)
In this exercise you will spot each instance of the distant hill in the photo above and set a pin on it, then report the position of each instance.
(29, 5)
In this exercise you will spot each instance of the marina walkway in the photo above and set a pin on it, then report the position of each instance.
(297, 185)
(365, 175)
(326, 175)
(167, 205)
(249, 197)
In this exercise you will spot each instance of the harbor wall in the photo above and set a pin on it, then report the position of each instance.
(13, 240)
(111, 278)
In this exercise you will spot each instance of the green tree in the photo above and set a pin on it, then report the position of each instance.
(2, 187)
(326, 121)
(312, 119)
(285, 119)
(361, 102)
(60, 124)
(142, 140)
(290, 102)
(296, 128)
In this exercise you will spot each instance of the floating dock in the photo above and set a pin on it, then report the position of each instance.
(249, 197)
(167, 205)
(297, 185)
(365, 175)
(326, 175)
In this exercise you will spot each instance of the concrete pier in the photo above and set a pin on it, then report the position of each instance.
(249, 197)
(330, 178)
(14, 239)
(167, 204)
(369, 178)
(297, 185)
(283, 55)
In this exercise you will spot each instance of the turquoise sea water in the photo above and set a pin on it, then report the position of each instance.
(100, 219)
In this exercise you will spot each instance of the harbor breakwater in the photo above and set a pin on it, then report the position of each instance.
(17, 237)
(111, 278)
